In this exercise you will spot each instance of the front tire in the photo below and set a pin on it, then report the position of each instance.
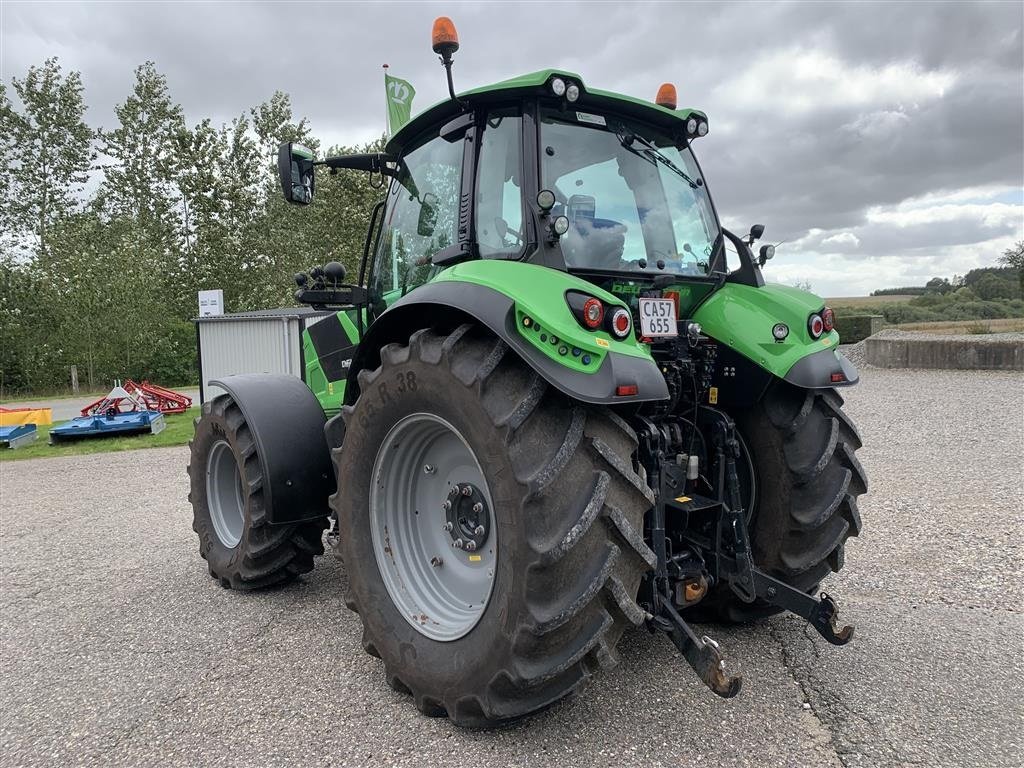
(567, 512)
(243, 550)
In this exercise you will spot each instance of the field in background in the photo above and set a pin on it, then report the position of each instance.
(178, 432)
(867, 301)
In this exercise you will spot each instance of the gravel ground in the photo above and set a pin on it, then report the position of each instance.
(116, 648)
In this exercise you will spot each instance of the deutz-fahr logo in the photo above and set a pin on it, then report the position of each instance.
(399, 92)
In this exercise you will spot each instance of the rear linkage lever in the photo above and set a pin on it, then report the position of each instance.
(730, 559)
(702, 653)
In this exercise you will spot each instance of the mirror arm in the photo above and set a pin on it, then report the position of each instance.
(373, 162)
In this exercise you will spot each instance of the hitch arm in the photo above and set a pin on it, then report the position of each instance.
(701, 653)
(822, 614)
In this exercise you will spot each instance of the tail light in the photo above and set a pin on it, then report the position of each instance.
(816, 326)
(621, 323)
(593, 313)
(828, 319)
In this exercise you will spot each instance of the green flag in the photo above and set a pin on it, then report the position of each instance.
(399, 94)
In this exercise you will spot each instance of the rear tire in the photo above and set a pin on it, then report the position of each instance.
(808, 479)
(243, 549)
(568, 513)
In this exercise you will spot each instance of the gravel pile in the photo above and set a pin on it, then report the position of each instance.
(980, 338)
(855, 354)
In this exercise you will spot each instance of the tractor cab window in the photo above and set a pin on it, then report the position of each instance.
(499, 202)
(635, 201)
(419, 219)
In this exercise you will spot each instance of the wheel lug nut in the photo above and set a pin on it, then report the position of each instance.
(467, 490)
(448, 527)
(457, 543)
(470, 545)
(446, 505)
(479, 530)
(478, 507)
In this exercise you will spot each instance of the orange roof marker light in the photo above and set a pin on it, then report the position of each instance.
(666, 96)
(444, 38)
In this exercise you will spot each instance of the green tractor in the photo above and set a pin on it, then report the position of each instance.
(553, 406)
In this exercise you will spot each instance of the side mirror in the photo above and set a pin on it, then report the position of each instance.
(428, 215)
(767, 251)
(755, 233)
(295, 167)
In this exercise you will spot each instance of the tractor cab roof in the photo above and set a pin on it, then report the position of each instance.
(538, 84)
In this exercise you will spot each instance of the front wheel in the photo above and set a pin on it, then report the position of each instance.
(243, 550)
(493, 528)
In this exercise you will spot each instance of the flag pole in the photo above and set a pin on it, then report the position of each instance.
(386, 112)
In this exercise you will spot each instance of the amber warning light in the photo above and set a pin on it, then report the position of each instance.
(666, 96)
(444, 38)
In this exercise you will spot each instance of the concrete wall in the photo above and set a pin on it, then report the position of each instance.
(947, 353)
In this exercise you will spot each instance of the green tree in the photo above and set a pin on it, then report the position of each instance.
(1014, 257)
(47, 148)
(139, 180)
(994, 287)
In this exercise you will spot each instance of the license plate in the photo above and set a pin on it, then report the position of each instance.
(658, 317)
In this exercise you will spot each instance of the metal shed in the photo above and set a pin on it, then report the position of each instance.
(264, 341)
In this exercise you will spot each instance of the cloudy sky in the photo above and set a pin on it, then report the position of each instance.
(883, 142)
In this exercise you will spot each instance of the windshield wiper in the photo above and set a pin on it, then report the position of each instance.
(653, 155)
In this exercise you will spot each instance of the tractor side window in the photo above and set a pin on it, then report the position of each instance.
(499, 201)
(420, 219)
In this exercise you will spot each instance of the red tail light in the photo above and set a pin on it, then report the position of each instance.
(828, 319)
(622, 323)
(816, 326)
(593, 313)
(625, 390)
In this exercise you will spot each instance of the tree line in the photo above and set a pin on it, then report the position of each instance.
(108, 233)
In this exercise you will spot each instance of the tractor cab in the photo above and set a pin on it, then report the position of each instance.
(542, 169)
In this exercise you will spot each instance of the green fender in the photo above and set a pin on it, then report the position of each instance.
(741, 317)
(525, 306)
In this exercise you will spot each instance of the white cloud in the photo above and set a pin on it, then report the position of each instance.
(913, 215)
(802, 80)
(842, 239)
(880, 125)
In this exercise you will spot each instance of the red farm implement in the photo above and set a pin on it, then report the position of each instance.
(144, 396)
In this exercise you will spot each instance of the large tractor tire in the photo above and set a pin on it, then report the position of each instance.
(227, 494)
(802, 447)
(453, 440)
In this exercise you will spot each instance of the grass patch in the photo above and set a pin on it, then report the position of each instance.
(178, 432)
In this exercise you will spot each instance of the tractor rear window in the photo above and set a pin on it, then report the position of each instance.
(635, 202)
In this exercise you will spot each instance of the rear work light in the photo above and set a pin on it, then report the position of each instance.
(828, 318)
(816, 326)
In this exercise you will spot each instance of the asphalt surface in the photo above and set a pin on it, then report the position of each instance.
(116, 648)
(69, 407)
